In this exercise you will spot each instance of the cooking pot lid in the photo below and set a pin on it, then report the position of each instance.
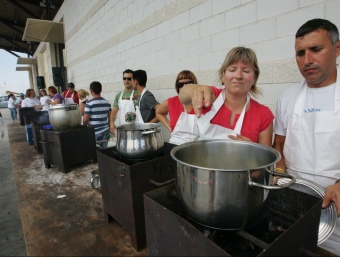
(138, 126)
(328, 215)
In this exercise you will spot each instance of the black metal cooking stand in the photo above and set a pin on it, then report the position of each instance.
(123, 183)
(288, 227)
(66, 148)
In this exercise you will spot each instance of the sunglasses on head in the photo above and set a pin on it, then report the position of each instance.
(181, 84)
(125, 78)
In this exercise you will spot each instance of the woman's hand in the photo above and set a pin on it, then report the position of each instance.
(240, 138)
(199, 96)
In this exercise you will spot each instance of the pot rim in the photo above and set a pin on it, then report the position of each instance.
(177, 148)
(138, 126)
(60, 106)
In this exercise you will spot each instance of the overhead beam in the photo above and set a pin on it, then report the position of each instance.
(17, 46)
(42, 3)
(12, 28)
(12, 39)
(12, 23)
(11, 52)
(22, 9)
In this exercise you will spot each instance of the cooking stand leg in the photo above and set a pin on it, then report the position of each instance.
(108, 217)
(138, 242)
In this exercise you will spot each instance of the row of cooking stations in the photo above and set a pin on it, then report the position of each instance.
(210, 206)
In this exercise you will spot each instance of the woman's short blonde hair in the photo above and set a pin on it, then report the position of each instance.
(83, 93)
(247, 56)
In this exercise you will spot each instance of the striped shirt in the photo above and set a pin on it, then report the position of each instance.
(98, 109)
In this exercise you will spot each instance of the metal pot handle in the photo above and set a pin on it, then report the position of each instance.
(72, 107)
(273, 173)
(150, 131)
(158, 184)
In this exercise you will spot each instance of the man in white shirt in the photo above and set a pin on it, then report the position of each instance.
(307, 121)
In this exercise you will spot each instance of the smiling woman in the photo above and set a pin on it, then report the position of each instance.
(235, 115)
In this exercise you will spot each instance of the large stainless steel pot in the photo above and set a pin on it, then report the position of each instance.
(222, 184)
(64, 116)
(139, 141)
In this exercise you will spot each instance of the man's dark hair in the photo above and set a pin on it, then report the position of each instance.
(141, 77)
(96, 87)
(70, 85)
(316, 24)
(128, 71)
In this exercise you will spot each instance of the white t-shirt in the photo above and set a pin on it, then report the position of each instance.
(11, 103)
(317, 100)
(30, 102)
(43, 102)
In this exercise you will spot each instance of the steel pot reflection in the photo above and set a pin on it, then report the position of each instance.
(221, 183)
(139, 141)
(64, 116)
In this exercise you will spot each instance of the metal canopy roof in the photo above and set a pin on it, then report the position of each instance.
(13, 17)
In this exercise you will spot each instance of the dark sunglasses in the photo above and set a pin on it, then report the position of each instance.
(181, 84)
(125, 78)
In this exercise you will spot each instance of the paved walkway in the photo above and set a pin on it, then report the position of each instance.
(11, 235)
(61, 215)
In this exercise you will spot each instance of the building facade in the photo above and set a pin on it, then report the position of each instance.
(163, 37)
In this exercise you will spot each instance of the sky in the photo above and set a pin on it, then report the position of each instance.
(10, 79)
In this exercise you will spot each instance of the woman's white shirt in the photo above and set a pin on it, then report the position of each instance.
(43, 101)
(30, 102)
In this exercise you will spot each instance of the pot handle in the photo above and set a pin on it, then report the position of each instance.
(150, 132)
(158, 184)
(72, 106)
(273, 173)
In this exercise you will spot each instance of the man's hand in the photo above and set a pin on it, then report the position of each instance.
(112, 129)
(332, 194)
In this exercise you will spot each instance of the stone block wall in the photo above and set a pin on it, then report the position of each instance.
(163, 37)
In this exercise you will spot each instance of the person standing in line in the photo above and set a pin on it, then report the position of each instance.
(183, 121)
(307, 120)
(125, 102)
(70, 95)
(97, 115)
(56, 97)
(30, 99)
(147, 104)
(12, 107)
(44, 97)
(19, 101)
(82, 100)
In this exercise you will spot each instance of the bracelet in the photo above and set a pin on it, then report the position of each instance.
(338, 181)
(279, 169)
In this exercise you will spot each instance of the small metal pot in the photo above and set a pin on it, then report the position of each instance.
(95, 180)
(64, 116)
(222, 184)
(139, 141)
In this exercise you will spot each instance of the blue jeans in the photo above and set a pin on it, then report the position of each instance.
(13, 113)
(103, 137)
